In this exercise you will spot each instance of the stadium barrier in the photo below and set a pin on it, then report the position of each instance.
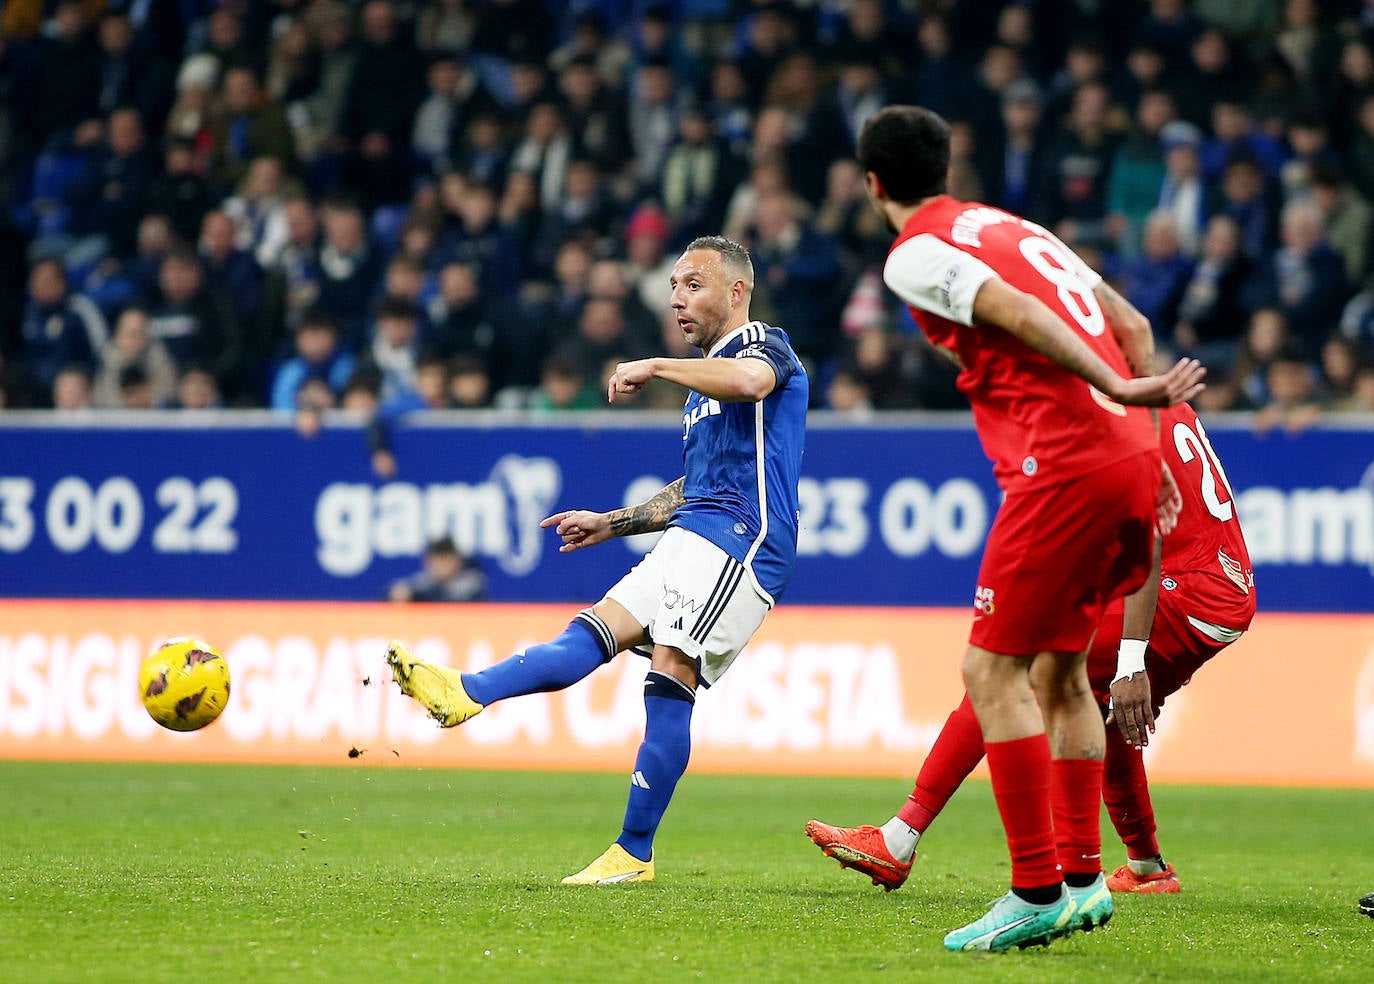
(892, 512)
(840, 691)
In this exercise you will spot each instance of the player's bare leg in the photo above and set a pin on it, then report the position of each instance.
(1039, 907)
(1077, 744)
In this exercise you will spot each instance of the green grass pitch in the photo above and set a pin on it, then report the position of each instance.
(225, 873)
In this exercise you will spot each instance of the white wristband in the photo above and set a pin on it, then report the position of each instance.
(1130, 658)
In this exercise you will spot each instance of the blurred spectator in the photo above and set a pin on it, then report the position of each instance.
(648, 264)
(1245, 200)
(455, 95)
(1183, 195)
(1305, 42)
(182, 193)
(193, 320)
(127, 77)
(481, 149)
(1215, 72)
(347, 269)
(1211, 314)
(1155, 282)
(445, 27)
(655, 106)
(71, 388)
(1265, 336)
(1340, 365)
(563, 386)
(258, 210)
(197, 389)
(316, 118)
(248, 125)
(598, 119)
(473, 232)
(847, 393)
(589, 39)
(698, 176)
(543, 152)
(224, 39)
(601, 339)
(108, 199)
(1309, 142)
(1234, 135)
(67, 87)
(1014, 181)
(446, 576)
(729, 107)
(1346, 217)
(394, 352)
(939, 75)
(318, 356)
(583, 212)
(1291, 384)
(59, 329)
(134, 348)
(1306, 277)
(385, 88)
(1078, 162)
(235, 275)
(798, 274)
(469, 383)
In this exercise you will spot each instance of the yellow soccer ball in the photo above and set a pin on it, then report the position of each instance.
(184, 684)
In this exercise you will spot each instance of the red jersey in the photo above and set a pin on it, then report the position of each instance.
(1208, 537)
(1039, 423)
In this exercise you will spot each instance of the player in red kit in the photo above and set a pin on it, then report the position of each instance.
(1046, 351)
(1199, 600)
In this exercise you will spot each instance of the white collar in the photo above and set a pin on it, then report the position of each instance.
(728, 336)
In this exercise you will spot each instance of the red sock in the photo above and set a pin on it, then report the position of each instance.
(1075, 792)
(1021, 782)
(957, 751)
(1126, 792)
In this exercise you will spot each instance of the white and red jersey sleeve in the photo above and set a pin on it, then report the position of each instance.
(1039, 423)
(1208, 536)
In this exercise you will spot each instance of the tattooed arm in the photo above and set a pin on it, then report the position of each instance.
(582, 528)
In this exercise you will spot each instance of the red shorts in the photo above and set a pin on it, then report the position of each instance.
(1055, 557)
(1177, 648)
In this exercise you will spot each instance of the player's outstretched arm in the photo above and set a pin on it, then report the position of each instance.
(582, 528)
(1028, 318)
(726, 380)
(1131, 328)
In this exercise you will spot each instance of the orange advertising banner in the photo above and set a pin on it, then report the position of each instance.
(840, 691)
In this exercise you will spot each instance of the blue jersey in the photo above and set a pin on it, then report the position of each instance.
(742, 462)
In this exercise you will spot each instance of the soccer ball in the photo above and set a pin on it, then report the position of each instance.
(184, 684)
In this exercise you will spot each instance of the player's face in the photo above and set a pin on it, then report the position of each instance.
(704, 296)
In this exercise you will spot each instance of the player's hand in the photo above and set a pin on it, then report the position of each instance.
(1180, 384)
(1131, 710)
(629, 378)
(1168, 504)
(579, 528)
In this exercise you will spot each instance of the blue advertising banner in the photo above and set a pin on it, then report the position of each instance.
(894, 512)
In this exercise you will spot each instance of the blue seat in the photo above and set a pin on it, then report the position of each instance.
(54, 173)
(386, 226)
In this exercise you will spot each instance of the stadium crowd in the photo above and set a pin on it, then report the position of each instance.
(303, 204)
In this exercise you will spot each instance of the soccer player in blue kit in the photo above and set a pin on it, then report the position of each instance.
(724, 560)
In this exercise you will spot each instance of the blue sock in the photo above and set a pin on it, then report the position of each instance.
(661, 761)
(585, 644)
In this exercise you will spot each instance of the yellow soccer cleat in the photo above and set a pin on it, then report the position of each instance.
(438, 688)
(616, 867)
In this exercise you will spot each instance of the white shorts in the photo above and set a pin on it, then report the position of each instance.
(691, 595)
